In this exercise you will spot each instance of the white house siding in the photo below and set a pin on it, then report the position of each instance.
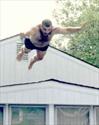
(55, 65)
(69, 69)
(49, 93)
(7, 61)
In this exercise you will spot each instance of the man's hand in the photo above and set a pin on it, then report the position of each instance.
(22, 35)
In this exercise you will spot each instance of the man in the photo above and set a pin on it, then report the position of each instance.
(39, 37)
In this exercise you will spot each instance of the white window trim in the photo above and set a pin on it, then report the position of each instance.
(36, 106)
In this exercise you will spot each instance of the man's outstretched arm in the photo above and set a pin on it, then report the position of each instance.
(22, 35)
(66, 30)
(28, 33)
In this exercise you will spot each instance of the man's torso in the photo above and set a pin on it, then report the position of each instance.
(38, 39)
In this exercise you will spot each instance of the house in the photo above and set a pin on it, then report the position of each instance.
(59, 90)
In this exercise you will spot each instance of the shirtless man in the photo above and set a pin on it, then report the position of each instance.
(39, 37)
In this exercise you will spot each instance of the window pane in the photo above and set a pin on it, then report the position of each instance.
(19, 45)
(97, 116)
(72, 116)
(1, 116)
(28, 116)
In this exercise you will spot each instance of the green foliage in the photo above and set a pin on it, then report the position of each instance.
(85, 44)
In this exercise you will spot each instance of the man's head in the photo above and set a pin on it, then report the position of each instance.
(46, 26)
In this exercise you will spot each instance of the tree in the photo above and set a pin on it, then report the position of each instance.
(85, 44)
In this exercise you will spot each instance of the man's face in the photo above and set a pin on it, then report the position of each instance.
(46, 30)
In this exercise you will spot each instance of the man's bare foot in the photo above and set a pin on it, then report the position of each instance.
(19, 56)
(31, 63)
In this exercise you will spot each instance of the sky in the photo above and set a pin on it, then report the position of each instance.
(21, 15)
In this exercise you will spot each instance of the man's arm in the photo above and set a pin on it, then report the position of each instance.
(28, 33)
(59, 30)
(22, 35)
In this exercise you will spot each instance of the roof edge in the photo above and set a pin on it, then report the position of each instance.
(74, 57)
(47, 80)
(9, 37)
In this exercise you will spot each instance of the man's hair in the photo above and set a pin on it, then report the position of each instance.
(46, 23)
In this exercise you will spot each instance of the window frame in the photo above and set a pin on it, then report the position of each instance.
(70, 106)
(96, 113)
(19, 44)
(3, 119)
(34, 106)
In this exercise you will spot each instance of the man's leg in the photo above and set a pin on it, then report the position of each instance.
(39, 56)
(21, 52)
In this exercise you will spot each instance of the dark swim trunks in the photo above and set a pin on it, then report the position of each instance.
(31, 46)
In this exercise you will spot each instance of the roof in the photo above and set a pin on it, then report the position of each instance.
(59, 79)
(57, 65)
(50, 91)
(56, 49)
(76, 57)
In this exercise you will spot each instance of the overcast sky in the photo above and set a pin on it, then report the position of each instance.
(20, 15)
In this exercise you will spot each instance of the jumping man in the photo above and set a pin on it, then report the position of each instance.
(39, 37)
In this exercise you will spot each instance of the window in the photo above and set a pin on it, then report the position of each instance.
(72, 116)
(97, 116)
(28, 116)
(19, 45)
(1, 116)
